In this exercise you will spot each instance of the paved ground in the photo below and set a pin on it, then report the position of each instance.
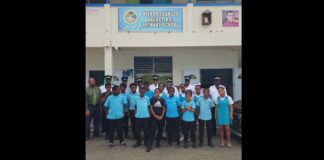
(97, 149)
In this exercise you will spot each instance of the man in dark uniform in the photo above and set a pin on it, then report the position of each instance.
(105, 124)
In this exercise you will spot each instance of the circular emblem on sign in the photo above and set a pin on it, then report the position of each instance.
(130, 17)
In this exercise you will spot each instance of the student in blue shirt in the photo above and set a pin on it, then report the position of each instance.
(131, 96)
(204, 106)
(126, 114)
(173, 108)
(149, 93)
(115, 113)
(182, 91)
(142, 117)
(188, 119)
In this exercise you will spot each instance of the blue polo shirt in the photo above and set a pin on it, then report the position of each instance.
(197, 97)
(172, 104)
(205, 105)
(115, 105)
(182, 97)
(188, 115)
(131, 100)
(149, 93)
(142, 107)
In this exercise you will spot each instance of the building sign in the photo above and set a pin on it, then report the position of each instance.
(150, 19)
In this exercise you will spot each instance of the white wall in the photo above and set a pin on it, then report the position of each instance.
(183, 58)
(94, 60)
(102, 30)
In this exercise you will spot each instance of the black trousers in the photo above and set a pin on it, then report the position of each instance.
(95, 115)
(189, 127)
(141, 124)
(201, 130)
(173, 129)
(132, 121)
(104, 122)
(113, 125)
(156, 125)
(125, 124)
(213, 127)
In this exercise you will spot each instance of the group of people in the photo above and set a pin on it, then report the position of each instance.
(149, 107)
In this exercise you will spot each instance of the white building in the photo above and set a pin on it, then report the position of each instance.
(113, 46)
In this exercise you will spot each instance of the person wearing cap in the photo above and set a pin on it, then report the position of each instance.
(188, 119)
(214, 94)
(126, 110)
(169, 84)
(157, 109)
(155, 83)
(142, 116)
(107, 79)
(173, 109)
(115, 105)
(139, 83)
(149, 93)
(93, 99)
(187, 84)
(104, 122)
(204, 106)
(124, 81)
(131, 96)
(224, 115)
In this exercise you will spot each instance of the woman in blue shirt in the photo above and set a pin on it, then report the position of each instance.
(224, 115)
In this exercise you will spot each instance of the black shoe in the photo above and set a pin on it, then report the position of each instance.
(194, 145)
(136, 145)
(200, 144)
(178, 145)
(157, 145)
(148, 149)
(185, 145)
(211, 145)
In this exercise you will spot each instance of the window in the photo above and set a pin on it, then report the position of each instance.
(145, 67)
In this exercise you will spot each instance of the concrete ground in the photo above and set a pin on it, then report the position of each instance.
(97, 149)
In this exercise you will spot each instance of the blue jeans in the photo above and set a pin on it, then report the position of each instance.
(95, 115)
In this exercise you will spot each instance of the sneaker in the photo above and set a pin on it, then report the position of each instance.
(136, 145)
(123, 143)
(221, 145)
(200, 144)
(229, 145)
(148, 149)
(178, 145)
(194, 145)
(157, 145)
(181, 138)
(111, 144)
(185, 145)
(211, 145)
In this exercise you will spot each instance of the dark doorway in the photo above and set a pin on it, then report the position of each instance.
(98, 75)
(207, 75)
(145, 1)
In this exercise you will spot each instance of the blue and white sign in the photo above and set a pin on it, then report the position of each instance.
(150, 19)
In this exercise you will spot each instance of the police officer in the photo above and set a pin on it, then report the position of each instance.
(124, 82)
(187, 84)
(169, 84)
(214, 94)
(106, 80)
(155, 83)
(139, 82)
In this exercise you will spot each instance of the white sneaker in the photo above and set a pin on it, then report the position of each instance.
(181, 138)
(110, 144)
(229, 145)
(221, 145)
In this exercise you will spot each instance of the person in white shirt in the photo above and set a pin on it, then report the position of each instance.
(139, 82)
(187, 84)
(155, 83)
(107, 80)
(124, 82)
(214, 94)
(169, 84)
